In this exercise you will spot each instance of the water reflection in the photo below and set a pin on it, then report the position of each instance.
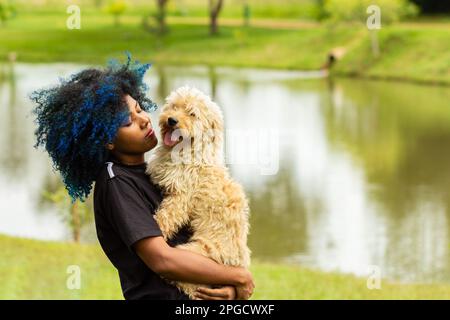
(340, 175)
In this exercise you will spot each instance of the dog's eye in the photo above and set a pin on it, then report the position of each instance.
(193, 114)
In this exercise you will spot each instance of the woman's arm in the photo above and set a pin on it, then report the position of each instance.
(182, 265)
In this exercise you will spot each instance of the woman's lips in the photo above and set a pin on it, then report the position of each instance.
(150, 133)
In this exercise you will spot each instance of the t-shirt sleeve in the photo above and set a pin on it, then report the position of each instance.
(128, 213)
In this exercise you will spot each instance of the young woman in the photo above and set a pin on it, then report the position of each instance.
(96, 129)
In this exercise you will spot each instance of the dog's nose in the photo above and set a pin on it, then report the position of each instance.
(171, 121)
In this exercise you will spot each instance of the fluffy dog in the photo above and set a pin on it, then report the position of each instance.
(198, 191)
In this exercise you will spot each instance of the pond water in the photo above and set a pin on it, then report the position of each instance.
(341, 174)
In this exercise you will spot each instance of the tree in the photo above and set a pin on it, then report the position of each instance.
(433, 6)
(321, 13)
(76, 214)
(98, 3)
(116, 8)
(161, 15)
(7, 11)
(214, 9)
(246, 13)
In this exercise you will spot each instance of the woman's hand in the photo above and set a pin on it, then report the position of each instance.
(221, 293)
(245, 289)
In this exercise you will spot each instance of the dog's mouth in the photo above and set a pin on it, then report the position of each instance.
(170, 139)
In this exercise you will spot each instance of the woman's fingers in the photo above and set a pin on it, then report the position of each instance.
(221, 293)
(201, 296)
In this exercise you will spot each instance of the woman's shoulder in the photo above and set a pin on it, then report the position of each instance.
(122, 182)
(111, 172)
(135, 176)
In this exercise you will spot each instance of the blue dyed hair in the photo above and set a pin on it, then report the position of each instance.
(77, 118)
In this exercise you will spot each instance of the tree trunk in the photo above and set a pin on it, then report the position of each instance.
(116, 20)
(246, 14)
(161, 15)
(375, 43)
(214, 10)
(76, 222)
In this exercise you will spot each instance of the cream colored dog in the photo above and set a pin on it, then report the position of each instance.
(198, 190)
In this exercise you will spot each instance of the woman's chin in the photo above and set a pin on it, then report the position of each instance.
(153, 143)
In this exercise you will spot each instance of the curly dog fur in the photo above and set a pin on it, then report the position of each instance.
(198, 189)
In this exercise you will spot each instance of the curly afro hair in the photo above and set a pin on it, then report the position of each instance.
(78, 117)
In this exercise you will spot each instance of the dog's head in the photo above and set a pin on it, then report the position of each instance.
(190, 114)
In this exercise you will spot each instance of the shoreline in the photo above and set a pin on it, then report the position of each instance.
(330, 74)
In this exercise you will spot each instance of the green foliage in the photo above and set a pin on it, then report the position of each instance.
(433, 6)
(76, 215)
(116, 8)
(7, 11)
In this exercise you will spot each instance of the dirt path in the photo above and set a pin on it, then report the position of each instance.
(294, 24)
(233, 22)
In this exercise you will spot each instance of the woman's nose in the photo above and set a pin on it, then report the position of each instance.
(145, 121)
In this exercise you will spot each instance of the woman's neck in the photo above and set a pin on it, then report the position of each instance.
(129, 159)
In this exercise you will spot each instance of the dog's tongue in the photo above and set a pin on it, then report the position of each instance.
(168, 139)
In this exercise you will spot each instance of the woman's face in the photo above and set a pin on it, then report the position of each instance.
(136, 136)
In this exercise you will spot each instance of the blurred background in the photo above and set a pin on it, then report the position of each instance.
(354, 123)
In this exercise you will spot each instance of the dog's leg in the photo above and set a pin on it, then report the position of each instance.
(188, 288)
(199, 247)
(172, 214)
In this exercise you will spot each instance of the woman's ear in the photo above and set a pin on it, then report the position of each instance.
(109, 146)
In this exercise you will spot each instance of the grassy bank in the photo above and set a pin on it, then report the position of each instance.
(417, 52)
(411, 51)
(31, 269)
(45, 38)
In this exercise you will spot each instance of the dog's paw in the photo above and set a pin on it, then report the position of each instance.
(164, 227)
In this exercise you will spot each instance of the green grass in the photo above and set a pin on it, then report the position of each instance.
(31, 269)
(408, 52)
(417, 52)
(291, 9)
(46, 39)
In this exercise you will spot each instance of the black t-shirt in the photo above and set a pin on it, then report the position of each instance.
(124, 203)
